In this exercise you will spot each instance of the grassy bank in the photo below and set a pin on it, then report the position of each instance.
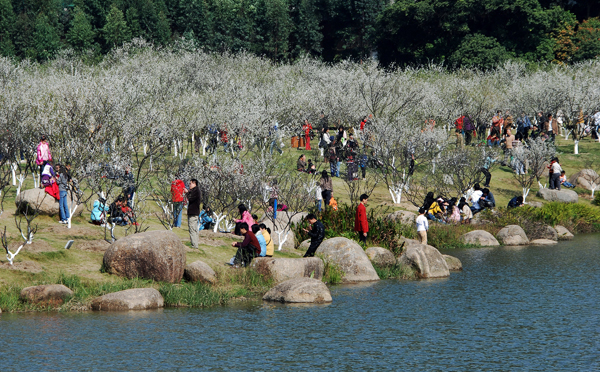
(233, 284)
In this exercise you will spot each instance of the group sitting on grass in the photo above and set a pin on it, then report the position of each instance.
(453, 210)
(119, 213)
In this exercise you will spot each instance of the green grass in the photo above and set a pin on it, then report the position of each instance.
(395, 272)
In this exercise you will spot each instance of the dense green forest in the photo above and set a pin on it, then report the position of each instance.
(403, 32)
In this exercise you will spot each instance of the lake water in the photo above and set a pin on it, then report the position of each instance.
(511, 309)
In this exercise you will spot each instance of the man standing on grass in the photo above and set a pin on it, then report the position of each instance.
(316, 233)
(422, 226)
(360, 222)
(193, 196)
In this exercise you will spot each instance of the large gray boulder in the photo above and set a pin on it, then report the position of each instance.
(350, 257)
(49, 295)
(199, 271)
(282, 269)
(37, 199)
(427, 260)
(299, 290)
(585, 178)
(479, 237)
(512, 235)
(157, 255)
(547, 232)
(130, 299)
(562, 196)
(403, 217)
(563, 233)
(453, 263)
(381, 256)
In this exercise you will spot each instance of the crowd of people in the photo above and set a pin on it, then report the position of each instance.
(337, 145)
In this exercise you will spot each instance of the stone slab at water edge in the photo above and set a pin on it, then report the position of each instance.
(381, 256)
(543, 242)
(563, 233)
(129, 299)
(480, 238)
(51, 294)
(299, 290)
(563, 195)
(37, 199)
(350, 257)
(282, 269)
(453, 263)
(199, 271)
(512, 235)
(427, 260)
(157, 255)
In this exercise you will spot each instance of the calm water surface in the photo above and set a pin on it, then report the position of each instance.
(511, 309)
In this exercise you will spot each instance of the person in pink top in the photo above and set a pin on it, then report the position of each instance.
(43, 154)
(246, 218)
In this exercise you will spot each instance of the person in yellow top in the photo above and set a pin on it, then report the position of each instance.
(434, 208)
(267, 235)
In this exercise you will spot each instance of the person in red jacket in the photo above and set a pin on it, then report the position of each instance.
(360, 222)
(177, 191)
(307, 127)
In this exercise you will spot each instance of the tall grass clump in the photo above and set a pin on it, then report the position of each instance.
(397, 271)
(193, 294)
(332, 273)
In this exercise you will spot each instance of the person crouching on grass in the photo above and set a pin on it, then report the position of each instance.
(247, 249)
(361, 225)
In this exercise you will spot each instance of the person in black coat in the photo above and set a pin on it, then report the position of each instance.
(316, 233)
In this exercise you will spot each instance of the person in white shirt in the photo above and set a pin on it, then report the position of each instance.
(325, 141)
(474, 198)
(319, 197)
(555, 177)
(422, 225)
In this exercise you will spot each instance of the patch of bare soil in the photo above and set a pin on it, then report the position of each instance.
(92, 245)
(28, 266)
(81, 232)
(36, 246)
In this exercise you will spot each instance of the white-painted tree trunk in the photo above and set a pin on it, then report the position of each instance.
(21, 179)
(525, 193)
(218, 218)
(396, 193)
(567, 135)
(112, 232)
(175, 147)
(182, 155)
(30, 234)
(11, 256)
(576, 148)
(594, 188)
(281, 241)
(229, 225)
(204, 143)
(71, 211)
(36, 180)
(13, 168)
(145, 148)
